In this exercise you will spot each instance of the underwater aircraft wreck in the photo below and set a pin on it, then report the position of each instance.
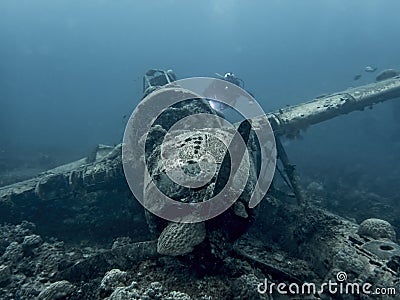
(91, 197)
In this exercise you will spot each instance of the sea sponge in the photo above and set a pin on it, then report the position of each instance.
(57, 290)
(246, 287)
(113, 279)
(377, 229)
(180, 238)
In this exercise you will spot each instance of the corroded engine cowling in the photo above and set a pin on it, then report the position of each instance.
(197, 154)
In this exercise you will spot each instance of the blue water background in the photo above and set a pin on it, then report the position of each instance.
(71, 70)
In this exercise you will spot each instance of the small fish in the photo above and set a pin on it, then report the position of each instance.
(124, 117)
(370, 69)
(357, 76)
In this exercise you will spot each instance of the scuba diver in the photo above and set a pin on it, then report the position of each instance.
(156, 78)
(231, 78)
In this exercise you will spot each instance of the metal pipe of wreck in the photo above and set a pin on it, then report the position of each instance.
(291, 120)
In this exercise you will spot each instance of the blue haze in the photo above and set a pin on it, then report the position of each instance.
(70, 70)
